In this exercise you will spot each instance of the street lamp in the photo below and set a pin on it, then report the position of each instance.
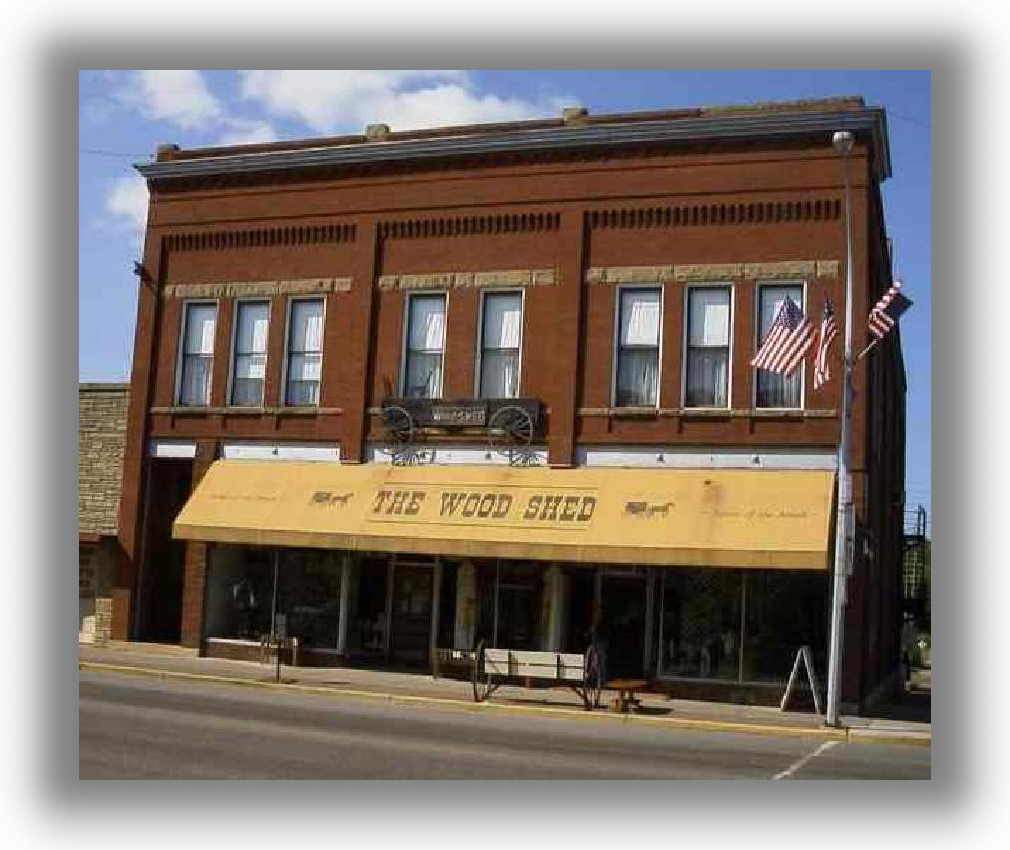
(842, 141)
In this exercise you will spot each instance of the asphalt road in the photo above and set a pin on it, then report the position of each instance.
(145, 728)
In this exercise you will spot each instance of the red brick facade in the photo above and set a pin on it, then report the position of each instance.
(738, 211)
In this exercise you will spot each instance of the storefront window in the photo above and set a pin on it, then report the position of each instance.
(309, 594)
(700, 624)
(785, 610)
(240, 594)
(702, 632)
(509, 598)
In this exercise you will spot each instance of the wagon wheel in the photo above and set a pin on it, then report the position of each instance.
(480, 678)
(510, 430)
(591, 683)
(399, 425)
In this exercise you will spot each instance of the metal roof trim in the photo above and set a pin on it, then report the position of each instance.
(754, 126)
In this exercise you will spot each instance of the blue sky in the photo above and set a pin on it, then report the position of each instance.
(125, 115)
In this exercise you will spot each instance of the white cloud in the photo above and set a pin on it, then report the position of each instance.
(127, 199)
(329, 101)
(178, 97)
(243, 131)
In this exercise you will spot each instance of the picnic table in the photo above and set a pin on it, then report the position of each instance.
(626, 689)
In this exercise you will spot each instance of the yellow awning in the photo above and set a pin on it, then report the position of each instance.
(709, 518)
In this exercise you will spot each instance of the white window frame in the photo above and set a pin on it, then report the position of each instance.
(287, 339)
(405, 338)
(181, 353)
(615, 347)
(478, 371)
(757, 339)
(687, 339)
(247, 299)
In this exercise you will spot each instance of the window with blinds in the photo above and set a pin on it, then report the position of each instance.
(249, 359)
(501, 335)
(639, 317)
(305, 353)
(707, 356)
(425, 346)
(197, 362)
(773, 389)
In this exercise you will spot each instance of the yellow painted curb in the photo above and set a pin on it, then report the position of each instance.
(844, 734)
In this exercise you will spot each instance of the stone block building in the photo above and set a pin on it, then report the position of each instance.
(101, 431)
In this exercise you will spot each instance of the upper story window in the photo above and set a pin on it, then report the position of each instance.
(501, 334)
(773, 389)
(199, 323)
(305, 352)
(707, 361)
(425, 346)
(249, 358)
(639, 315)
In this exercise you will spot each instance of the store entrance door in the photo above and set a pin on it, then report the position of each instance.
(411, 626)
(621, 631)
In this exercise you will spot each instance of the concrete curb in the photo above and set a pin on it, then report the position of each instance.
(847, 734)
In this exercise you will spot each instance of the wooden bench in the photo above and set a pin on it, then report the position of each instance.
(494, 667)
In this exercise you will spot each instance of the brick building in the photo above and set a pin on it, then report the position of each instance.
(101, 432)
(492, 382)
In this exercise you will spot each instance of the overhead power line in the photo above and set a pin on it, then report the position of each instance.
(94, 152)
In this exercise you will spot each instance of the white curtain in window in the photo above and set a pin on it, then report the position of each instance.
(640, 314)
(251, 333)
(707, 377)
(427, 323)
(200, 322)
(774, 390)
(196, 371)
(424, 375)
(306, 326)
(709, 316)
(503, 317)
(637, 377)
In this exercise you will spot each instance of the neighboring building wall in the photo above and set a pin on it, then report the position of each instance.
(101, 432)
(101, 442)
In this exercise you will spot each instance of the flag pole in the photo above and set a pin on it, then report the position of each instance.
(842, 141)
(866, 350)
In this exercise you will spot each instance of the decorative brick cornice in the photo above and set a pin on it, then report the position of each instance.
(698, 272)
(457, 280)
(261, 237)
(758, 212)
(708, 413)
(242, 288)
(477, 225)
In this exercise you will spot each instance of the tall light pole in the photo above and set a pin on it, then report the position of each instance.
(842, 142)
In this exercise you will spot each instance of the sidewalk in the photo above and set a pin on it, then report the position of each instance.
(418, 688)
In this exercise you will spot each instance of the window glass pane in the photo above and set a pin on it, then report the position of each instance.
(503, 316)
(772, 298)
(306, 326)
(424, 375)
(708, 316)
(251, 330)
(637, 374)
(499, 376)
(640, 311)
(196, 373)
(707, 377)
(785, 610)
(774, 390)
(700, 626)
(427, 323)
(199, 334)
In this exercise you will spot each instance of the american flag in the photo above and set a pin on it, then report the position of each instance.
(829, 330)
(886, 311)
(788, 340)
